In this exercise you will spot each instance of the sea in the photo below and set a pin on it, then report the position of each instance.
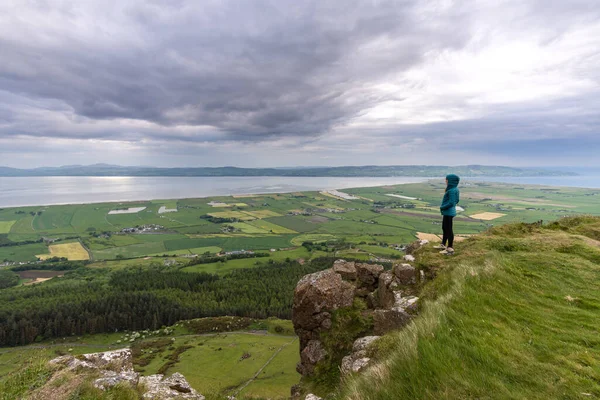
(35, 191)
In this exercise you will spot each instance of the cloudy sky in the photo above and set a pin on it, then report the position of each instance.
(286, 83)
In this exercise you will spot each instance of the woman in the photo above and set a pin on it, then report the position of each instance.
(448, 210)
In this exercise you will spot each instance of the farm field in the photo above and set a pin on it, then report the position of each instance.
(372, 217)
(71, 251)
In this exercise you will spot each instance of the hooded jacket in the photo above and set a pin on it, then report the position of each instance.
(451, 196)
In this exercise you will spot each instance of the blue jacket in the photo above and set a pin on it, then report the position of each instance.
(451, 197)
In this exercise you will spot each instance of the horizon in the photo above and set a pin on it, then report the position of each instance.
(285, 84)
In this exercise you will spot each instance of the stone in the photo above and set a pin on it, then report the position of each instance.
(409, 304)
(388, 320)
(116, 366)
(373, 300)
(360, 364)
(385, 293)
(111, 378)
(310, 356)
(173, 387)
(346, 365)
(368, 274)
(409, 258)
(405, 273)
(423, 242)
(311, 396)
(363, 343)
(346, 269)
(322, 291)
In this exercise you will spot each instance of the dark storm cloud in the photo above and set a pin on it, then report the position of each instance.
(247, 68)
(309, 77)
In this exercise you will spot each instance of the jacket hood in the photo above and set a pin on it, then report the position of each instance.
(453, 181)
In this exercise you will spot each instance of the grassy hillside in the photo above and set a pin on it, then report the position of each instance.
(514, 315)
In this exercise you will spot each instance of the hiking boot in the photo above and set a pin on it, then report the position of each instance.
(440, 247)
(448, 252)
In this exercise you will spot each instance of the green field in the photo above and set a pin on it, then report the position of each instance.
(266, 221)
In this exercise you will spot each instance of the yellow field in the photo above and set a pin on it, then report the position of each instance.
(262, 214)
(217, 204)
(232, 214)
(6, 225)
(487, 216)
(72, 251)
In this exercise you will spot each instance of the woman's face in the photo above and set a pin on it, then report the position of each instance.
(446, 181)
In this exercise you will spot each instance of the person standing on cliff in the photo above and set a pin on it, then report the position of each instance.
(448, 210)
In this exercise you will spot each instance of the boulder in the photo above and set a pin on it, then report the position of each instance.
(409, 304)
(405, 273)
(363, 343)
(311, 396)
(409, 258)
(319, 293)
(388, 320)
(112, 378)
(173, 387)
(346, 269)
(368, 274)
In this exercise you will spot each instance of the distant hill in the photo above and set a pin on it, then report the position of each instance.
(346, 171)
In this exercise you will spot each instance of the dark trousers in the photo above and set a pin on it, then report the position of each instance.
(448, 232)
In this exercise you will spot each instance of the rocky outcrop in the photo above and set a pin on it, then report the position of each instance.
(389, 296)
(115, 367)
(316, 295)
(173, 387)
(358, 359)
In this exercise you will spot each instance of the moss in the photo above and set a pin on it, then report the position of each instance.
(348, 324)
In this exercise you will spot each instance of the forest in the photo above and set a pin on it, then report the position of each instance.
(88, 301)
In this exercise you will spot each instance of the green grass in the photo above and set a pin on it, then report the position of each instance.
(26, 252)
(295, 223)
(213, 364)
(514, 315)
(135, 250)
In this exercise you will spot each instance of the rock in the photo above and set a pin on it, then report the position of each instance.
(346, 365)
(373, 300)
(409, 258)
(322, 291)
(178, 383)
(117, 360)
(296, 391)
(311, 396)
(346, 269)
(368, 274)
(408, 304)
(386, 294)
(423, 242)
(116, 367)
(111, 378)
(422, 273)
(173, 387)
(388, 320)
(360, 364)
(363, 343)
(310, 356)
(405, 273)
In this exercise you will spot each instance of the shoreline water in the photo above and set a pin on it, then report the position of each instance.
(95, 190)
(54, 191)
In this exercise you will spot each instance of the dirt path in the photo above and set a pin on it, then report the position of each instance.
(262, 368)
